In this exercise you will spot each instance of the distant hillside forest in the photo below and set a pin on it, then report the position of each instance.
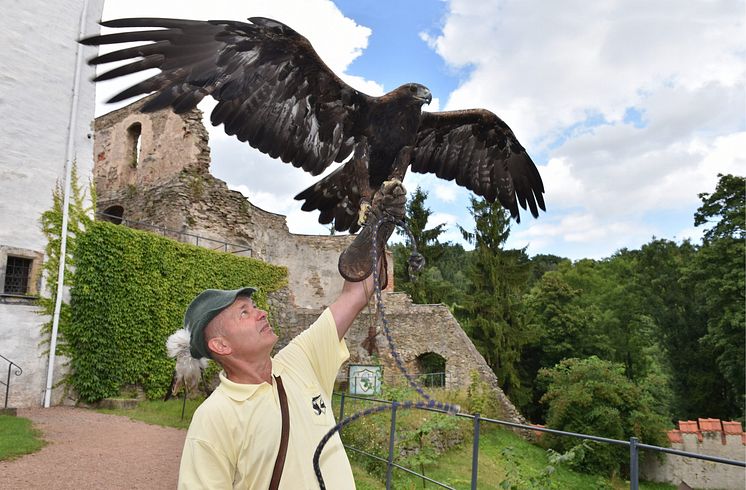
(668, 317)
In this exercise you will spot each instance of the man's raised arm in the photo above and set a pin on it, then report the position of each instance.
(350, 302)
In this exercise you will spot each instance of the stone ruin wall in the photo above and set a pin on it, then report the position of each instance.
(170, 186)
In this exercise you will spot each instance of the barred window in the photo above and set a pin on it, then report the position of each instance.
(17, 271)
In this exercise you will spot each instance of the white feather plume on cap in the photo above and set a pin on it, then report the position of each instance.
(188, 369)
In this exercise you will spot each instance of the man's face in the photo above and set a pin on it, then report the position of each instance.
(244, 328)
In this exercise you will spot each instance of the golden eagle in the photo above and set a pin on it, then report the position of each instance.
(274, 92)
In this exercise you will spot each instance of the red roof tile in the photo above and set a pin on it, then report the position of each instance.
(688, 426)
(710, 425)
(732, 427)
(674, 436)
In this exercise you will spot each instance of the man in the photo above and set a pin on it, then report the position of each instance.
(234, 437)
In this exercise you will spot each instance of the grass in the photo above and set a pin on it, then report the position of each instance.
(157, 412)
(18, 437)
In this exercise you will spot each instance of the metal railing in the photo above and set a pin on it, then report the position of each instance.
(181, 236)
(18, 371)
(634, 445)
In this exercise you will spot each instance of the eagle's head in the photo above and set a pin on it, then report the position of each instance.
(418, 92)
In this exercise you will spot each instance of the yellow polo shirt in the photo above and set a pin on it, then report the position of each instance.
(234, 436)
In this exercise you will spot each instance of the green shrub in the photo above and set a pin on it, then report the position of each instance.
(593, 396)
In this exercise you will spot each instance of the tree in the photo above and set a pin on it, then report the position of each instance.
(724, 208)
(719, 283)
(671, 300)
(433, 284)
(559, 327)
(492, 311)
(543, 263)
(417, 216)
(590, 308)
(593, 396)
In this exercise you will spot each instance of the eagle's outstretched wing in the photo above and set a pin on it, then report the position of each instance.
(479, 150)
(272, 88)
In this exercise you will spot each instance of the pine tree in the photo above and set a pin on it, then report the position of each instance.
(492, 311)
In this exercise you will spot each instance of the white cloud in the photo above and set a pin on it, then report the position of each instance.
(544, 66)
(563, 189)
(436, 219)
(433, 106)
(445, 192)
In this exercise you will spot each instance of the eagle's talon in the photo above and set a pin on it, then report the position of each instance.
(362, 216)
(387, 184)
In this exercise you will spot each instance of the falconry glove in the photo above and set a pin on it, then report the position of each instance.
(388, 207)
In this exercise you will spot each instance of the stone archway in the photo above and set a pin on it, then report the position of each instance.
(113, 214)
(432, 369)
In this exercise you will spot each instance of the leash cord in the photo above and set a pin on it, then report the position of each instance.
(415, 262)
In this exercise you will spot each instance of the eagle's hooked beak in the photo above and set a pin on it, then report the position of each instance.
(426, 96)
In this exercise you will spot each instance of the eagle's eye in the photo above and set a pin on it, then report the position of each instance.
(412, 88)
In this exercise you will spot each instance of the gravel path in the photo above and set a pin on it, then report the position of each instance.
(87, 449)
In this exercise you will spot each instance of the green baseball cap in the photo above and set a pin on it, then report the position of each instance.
(206, 306)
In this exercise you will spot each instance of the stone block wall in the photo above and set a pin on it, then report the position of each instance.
(169, 144)
(708, 437)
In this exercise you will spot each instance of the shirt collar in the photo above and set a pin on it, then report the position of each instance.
(241, 392)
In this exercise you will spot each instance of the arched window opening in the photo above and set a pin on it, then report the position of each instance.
(113, 214)
(432, 369)
(134, 142)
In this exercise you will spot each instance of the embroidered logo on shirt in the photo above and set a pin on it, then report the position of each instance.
(318, 405)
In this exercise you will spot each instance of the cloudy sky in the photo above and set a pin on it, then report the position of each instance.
(629, 108)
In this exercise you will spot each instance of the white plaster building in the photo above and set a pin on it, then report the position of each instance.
(36, 101)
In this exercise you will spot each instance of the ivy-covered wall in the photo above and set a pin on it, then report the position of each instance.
(130, 291)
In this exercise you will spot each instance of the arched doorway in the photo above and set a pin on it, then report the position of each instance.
(432, 368)
(113, 214)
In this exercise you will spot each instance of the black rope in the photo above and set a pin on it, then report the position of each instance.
(415, 263)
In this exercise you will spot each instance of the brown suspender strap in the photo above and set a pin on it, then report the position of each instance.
(280, 462)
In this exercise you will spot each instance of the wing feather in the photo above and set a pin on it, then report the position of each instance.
(481, 152)
(272, 88)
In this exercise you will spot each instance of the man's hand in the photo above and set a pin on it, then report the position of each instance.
(356, 262)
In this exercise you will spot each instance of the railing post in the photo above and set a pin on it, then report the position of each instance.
(342, 406)
(634, 469)
(7, 385)
(475, 453)
(392, 432)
